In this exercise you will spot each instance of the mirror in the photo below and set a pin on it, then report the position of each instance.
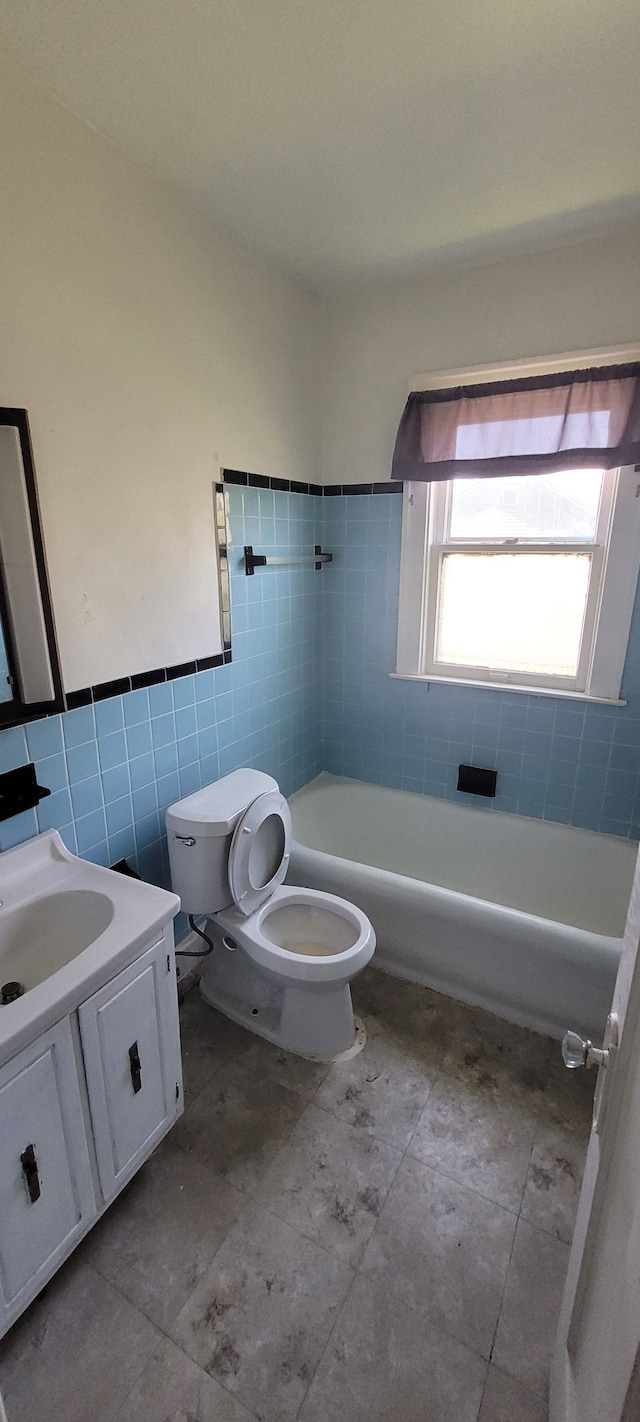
(30, 681)
(139, 576)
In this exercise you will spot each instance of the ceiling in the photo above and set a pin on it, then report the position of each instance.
(351, 139)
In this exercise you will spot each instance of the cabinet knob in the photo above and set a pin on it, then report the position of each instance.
(30, 1171)
(135, 1068)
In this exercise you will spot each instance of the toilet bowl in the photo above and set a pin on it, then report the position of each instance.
(283, 956)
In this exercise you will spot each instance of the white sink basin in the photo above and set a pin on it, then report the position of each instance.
(66, 926)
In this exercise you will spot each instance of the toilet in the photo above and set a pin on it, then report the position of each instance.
(283, 956)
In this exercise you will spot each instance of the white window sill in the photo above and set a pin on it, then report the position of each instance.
(509, 686)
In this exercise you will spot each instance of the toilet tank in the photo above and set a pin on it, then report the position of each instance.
(199, 833)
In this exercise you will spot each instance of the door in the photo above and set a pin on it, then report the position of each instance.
(596, 1367)
(46, 1191)
(131, 1047)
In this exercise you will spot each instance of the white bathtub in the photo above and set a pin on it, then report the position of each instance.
(520, 916)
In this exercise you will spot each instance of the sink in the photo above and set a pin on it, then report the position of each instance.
(40, 937)
(66, 926)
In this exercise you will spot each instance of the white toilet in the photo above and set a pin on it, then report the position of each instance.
(283, 956)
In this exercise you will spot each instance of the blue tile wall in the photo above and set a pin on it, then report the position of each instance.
(113, 768)
(557, 759)
(309, 688)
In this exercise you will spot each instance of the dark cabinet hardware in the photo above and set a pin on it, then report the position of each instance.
(135, 1068)
(30, 1171)
(19, 791)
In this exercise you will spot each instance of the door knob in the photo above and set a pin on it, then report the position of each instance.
(578, 1051)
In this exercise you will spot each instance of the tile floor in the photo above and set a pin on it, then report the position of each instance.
(381, 1239)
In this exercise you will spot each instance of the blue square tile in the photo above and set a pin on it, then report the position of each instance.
(82, 761)
(109, 716)
(122, 844)
(187, 750)
(98, 854)
(135, 706)
(204, 685)
(185, 721)
(112, 750)
(119, 814)
(138, 739)
(147, 830)
(145, 801)
(52, 772)
(168, 791)
(13, 749)
(184, 691)
(206, 714)
(68, 836)
(78, 726)
(86, 796)
(141, 771)
(160, 698)
(44, 738)
(18, 829)
(163, 730)
(91, 830)
(208, 742)
(54, 811)
(115, 783)
(189, 778)
(165, 759)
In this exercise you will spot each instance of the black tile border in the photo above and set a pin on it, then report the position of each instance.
(294, 486)
(89, 695)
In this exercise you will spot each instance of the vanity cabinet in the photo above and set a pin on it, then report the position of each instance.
(133, 1077)
(47, 1198)
(80, 1110)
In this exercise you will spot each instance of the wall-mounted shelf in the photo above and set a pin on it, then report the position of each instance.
(267, 560)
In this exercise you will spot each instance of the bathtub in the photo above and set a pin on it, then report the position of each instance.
(520, 916)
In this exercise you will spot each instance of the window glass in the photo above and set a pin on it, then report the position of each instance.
(536, 506)
(513, 612)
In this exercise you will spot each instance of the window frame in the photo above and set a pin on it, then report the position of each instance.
(609, 605)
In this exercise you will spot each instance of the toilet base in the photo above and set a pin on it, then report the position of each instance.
(312, 1020)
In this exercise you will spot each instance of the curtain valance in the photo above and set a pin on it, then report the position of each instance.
(572, 420)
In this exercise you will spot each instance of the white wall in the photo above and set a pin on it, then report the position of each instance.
(144, 345)
(569, 298)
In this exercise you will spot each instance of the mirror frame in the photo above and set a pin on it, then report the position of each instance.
(16, 711)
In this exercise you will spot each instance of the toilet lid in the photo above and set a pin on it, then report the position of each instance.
(259, 854)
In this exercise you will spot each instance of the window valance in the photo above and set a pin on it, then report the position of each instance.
(571, 420)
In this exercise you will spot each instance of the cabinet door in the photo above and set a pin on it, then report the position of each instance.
(131, 1047)
(46, 1190)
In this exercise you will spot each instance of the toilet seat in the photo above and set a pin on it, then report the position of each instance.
(259, 853)
(254, 934)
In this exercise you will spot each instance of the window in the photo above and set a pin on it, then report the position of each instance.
(525, 581)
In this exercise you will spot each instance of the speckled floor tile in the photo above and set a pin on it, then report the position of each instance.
(75, 1354)
(445, 1250)
(173, 1388)
(330, 1181)
(209, 1039)
(494, 1054)
(238, 1123)
(554, 1179)
(297, 1073)
(259, 1319)
(506, 1400)
(530, 1307)
(382, 1089)
(568, 1096)
(419, 1021)
(480, 1137)
(384, 1363)
(158, 1237)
